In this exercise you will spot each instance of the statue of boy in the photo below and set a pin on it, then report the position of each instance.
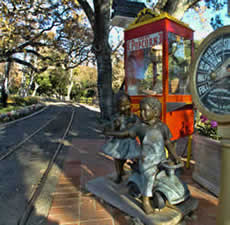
(154, 136)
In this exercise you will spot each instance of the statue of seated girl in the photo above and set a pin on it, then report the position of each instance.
(122, 149)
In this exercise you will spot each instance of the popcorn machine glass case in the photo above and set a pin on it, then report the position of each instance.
(158, 52)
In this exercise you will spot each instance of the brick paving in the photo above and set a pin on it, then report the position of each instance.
(73, 205)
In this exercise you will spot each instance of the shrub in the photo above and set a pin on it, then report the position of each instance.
(17, 100)
(20, 101)
(31, 100)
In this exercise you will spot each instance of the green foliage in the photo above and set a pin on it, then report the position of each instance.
(76, 93)
(17, 100)
(53, 81)
(9, 108)
(86, 100)
(30, 100)
(59, 79)
(207, 130)
(90, 93)
(20, 101)
(85, 82)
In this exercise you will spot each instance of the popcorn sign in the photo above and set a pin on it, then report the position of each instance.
(146, 41)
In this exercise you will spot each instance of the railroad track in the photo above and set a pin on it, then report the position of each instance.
(37, 191)
(17, 146)
(37, 152)
(8, 151)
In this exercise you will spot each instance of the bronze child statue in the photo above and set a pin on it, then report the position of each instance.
(122, 149)
(154, 136)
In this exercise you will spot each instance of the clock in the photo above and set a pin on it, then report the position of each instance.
(210, 76)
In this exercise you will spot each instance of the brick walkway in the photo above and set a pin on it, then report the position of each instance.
(72, 205)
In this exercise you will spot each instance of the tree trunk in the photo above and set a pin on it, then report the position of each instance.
(28, 88)
(102, 51)
(104, 84)
(35, 88)
(7, 75)
(99, 18)
(22, 91)
(5, 90)
(32, 76)
(70, 86)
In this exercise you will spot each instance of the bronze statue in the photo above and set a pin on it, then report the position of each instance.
(154, 136)
(122, 149)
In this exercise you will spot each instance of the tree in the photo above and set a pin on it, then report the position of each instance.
(85, 77)
(24, 26)
(27, 27)
(74, 42)
(99, 18)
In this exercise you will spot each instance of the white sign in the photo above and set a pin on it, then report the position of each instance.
(146, 41)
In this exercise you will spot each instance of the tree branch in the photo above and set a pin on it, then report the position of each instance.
(88, 11)
(177, 8)
(118, 46)
(27, 43)
(22, 62)
(193, 3)
(160, 4)
(38, 54)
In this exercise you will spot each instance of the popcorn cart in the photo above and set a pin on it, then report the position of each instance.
(158, 52)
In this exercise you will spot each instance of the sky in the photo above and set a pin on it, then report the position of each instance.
(203, 28)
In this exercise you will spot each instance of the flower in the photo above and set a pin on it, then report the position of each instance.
(213, 124)
(206, 127)
(203, 118)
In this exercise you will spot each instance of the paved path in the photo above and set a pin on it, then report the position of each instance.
(72, 205)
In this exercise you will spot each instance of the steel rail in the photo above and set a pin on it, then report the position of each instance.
(24, 218)
(15, 147)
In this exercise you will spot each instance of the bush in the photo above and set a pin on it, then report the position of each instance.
(17, 100)
(86, 100)
(31, 100)
(20, 101)
(90, 93)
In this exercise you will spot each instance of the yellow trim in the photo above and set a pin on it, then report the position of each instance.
(166, 153)
(144, 15)
(189, 151)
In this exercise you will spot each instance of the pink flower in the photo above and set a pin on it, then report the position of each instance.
(213, 123)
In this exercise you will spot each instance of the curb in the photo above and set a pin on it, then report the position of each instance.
(31, 114)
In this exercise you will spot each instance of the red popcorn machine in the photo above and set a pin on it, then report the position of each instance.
(158, 53)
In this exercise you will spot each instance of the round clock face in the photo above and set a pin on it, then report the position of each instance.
(210, 76)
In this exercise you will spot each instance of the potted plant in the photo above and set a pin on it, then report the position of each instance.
(207, 155)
